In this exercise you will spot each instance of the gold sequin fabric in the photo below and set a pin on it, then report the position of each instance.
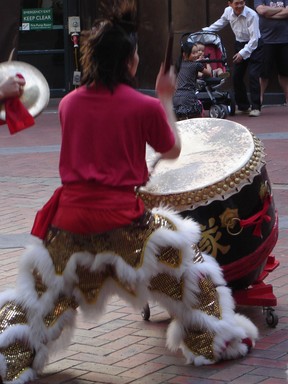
(208, 300)
(91, 283)
(168, 285)
(17, 356)
(62, 305)
(198, 257)
(126, 242)
(200, 343)
(11, 314)
(40, 287)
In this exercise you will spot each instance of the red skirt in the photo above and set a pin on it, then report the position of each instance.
(86, 208)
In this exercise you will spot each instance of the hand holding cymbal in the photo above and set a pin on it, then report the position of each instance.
(11, 87)
(22, 80)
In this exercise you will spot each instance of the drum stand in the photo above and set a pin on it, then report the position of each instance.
(261, 294)
(258, 294)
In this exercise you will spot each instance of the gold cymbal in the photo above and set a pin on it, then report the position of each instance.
(36, 93)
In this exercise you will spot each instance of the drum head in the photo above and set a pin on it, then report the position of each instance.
(36, 91)
(212, 151)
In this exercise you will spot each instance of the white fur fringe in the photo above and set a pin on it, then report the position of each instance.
(230, 331)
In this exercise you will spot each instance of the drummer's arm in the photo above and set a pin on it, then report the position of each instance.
(165, 88)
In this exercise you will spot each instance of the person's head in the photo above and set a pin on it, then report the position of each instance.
(190, 51)
(109, 54)
(201, 49)
(237, 6)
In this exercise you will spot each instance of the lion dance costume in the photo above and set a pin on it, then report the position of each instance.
(155, 258)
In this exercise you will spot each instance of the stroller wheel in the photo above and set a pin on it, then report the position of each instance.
(217, 111)
(232, 105)
(225, 111)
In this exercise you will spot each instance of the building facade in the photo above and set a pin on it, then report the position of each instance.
(45, 33)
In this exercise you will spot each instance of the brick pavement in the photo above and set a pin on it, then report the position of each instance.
(120, 347)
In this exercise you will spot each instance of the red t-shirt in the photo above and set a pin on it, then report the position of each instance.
(105, 135)
(102, 159)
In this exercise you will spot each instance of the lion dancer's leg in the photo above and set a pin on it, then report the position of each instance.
(33, 315)
(152, 258)
(191, 287)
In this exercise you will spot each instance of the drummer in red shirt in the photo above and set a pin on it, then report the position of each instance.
(95, 238)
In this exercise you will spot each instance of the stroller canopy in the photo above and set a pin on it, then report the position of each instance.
(206, 38)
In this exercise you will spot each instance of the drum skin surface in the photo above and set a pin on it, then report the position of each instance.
(220, 180)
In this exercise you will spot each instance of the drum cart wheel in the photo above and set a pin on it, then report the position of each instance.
(146, 312)
(271, 317)
(261, 294)
(258, 294)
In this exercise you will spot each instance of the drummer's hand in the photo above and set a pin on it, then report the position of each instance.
(166, 83)
(11, 87)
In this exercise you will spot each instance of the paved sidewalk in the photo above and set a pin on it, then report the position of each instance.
(121, 347)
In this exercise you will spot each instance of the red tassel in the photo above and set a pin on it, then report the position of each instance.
(17, 116)
(258, 218)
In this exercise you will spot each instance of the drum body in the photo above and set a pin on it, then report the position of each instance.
(220, 180)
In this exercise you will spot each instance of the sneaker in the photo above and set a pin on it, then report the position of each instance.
(243, 111)
(255, 113)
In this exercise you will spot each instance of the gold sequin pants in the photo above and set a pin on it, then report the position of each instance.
(154, 258)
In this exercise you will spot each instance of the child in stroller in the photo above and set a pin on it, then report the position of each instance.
(217, 71)
(219, 103)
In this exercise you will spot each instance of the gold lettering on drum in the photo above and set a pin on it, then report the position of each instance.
(265, 190)
(228, 216)
(210, 239)
(230, 220)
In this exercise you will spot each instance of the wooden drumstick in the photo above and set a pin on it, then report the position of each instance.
(153, 166)
(169, 50)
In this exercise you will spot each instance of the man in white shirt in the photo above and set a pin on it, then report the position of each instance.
(244, 22)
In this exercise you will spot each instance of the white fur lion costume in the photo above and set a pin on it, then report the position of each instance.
(156, 258)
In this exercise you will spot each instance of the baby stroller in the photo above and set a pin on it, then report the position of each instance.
(219, 103)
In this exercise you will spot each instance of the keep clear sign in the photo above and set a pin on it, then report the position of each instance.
(37, 19)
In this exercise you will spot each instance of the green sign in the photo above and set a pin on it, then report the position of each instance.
(37, 19)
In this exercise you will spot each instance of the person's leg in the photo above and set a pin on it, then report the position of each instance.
(254, 71)
(283, 81)
(191, 287)
(240, 91)
(155, 258)
(263, 85)
(39, 313)
(239, 86)
(282, 67)
(268, 66)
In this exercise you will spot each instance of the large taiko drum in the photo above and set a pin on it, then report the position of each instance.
(221, 181)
